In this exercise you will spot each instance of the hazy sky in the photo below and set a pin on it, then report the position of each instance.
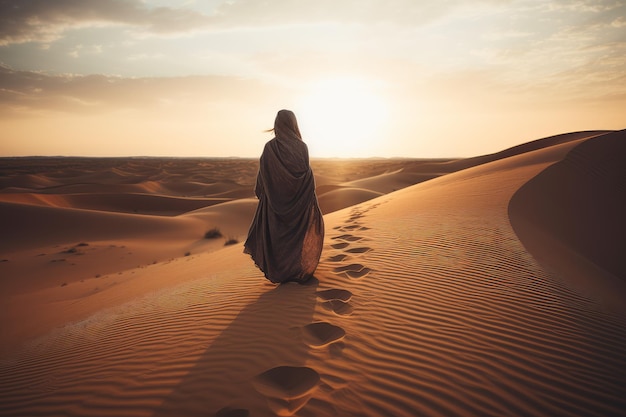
(410, 78)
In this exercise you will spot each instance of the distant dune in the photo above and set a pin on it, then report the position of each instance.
(493, 285)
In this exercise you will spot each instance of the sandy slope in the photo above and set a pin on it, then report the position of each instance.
(426, 303)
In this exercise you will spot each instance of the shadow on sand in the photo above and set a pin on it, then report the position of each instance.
(265, 335)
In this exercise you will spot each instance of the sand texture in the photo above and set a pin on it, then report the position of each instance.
(492, 286)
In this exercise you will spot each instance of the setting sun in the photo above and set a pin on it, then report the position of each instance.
(342, 117)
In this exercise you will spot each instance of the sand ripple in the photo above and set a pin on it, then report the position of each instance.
(456, 318)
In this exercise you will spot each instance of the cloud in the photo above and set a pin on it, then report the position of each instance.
(584, 5)
(402, 12)
(44, 21)
(24, 21)
(25, 92)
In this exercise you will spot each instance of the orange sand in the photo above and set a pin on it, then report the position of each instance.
(496, 288)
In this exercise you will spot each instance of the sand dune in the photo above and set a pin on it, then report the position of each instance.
(117, 202)
(44, 226)
(392, 181)
(342, 197)
(232, 218)
(538, 144)
(129, 213)
(449, 297)
(571, 218)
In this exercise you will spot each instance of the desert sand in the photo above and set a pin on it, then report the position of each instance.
(493, 285)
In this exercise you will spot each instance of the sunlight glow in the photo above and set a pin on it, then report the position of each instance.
(343, 117)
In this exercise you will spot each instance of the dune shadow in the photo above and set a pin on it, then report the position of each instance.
(570, 217)
(266, 334)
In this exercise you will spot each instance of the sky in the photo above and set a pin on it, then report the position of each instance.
(365, 78)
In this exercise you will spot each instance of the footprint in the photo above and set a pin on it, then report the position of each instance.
(334, 294)
(337, 258)
(341, 308)
(353, 270)
(339, 245)
(352, 227)
(348, 238)
(287, 388)
(349, 227)
(336, 300)
(322, 334)
(359, 250)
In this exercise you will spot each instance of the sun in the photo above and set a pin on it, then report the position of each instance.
(343, 117)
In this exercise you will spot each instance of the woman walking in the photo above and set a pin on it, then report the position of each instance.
(286, 236)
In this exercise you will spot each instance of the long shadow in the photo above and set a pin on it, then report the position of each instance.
(265, 334)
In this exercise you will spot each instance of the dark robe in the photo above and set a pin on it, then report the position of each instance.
(286, 236)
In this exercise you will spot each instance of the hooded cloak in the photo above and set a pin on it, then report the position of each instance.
(287, 233)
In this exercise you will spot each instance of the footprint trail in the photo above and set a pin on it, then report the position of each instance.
(288, 389)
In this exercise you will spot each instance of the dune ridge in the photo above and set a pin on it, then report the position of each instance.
(427, 302)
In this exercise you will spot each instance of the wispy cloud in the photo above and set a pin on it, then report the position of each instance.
(23, 21)
(45, 21)
(28, 91)
(594, 6)
(409, 12)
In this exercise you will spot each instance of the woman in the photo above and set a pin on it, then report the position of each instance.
(286, 236)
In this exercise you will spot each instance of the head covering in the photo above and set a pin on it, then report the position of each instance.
(288, 148)
(286, 125)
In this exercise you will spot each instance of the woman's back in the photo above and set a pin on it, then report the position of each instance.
(286, 236)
